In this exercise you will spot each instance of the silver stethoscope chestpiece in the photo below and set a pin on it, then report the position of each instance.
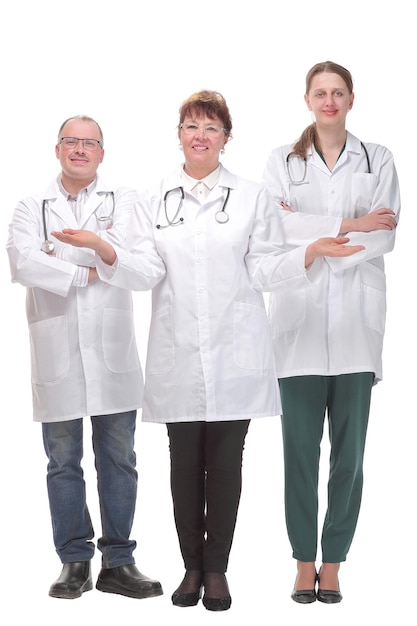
(221, 217)
(48, 246)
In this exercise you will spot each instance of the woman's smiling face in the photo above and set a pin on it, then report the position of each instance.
(202, 140)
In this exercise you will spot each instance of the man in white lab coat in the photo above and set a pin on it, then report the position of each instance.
(84, 363)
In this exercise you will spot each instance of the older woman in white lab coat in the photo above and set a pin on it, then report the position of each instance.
(211, 235)
(328, 335)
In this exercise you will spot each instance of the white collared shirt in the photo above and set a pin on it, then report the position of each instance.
(77, 202)
(200, 189)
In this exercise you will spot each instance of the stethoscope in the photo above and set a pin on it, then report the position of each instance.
(301, 180)
(221, 216)
(48, 246)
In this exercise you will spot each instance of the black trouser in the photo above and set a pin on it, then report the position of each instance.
(206, 482)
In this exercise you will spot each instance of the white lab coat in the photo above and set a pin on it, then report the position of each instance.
(209, 353)
(335, 323)
(84, 359)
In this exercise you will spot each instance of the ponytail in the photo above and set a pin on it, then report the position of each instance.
(306, 140)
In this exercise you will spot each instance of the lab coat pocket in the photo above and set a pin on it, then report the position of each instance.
(160, 357)
(362, 192)
(119, 343)
(373, 297)
(252, 347)
(287, 309)
(49, 349)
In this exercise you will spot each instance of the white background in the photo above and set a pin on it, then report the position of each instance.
(130, 64)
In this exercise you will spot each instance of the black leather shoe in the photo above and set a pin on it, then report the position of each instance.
(217, 604)
(75, 578)
(329, 596)
(127, 580)
(304, 596)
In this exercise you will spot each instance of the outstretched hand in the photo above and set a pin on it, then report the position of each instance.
(330, 246)
(78, 238)
(87, 239)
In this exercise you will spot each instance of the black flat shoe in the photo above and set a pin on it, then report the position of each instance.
(304, 596)
(186, 599)
(75, 578)
(127, 580)
(217, 604)
(329, 596)
(193, 579)
(217, 583)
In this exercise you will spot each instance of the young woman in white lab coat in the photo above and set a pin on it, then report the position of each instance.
(328, 336)
(209, 236)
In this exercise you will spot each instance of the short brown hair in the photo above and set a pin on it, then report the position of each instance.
(210, 103)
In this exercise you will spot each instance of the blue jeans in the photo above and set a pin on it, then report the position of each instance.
(115, 462)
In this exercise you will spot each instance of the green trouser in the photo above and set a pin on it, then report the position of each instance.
(305, 400)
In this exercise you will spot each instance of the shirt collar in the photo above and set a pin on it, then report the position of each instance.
(87, 190)
(210, 180)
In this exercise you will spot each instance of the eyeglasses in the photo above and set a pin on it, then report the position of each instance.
(210, 131)
(72, 142)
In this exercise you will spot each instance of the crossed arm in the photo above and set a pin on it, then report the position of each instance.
(380, 219)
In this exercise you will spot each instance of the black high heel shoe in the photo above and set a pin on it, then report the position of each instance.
(305, 596)
(190, 598)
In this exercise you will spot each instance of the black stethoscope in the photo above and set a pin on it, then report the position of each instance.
(48, 246)
(302, 179)
(221, 216)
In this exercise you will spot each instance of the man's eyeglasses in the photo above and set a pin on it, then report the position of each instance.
(72, 142)
(210, 131)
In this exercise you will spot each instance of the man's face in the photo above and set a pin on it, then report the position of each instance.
(79, 162)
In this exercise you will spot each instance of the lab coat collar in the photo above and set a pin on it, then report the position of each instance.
(53, 191)
(353, 144)
(58, 201)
